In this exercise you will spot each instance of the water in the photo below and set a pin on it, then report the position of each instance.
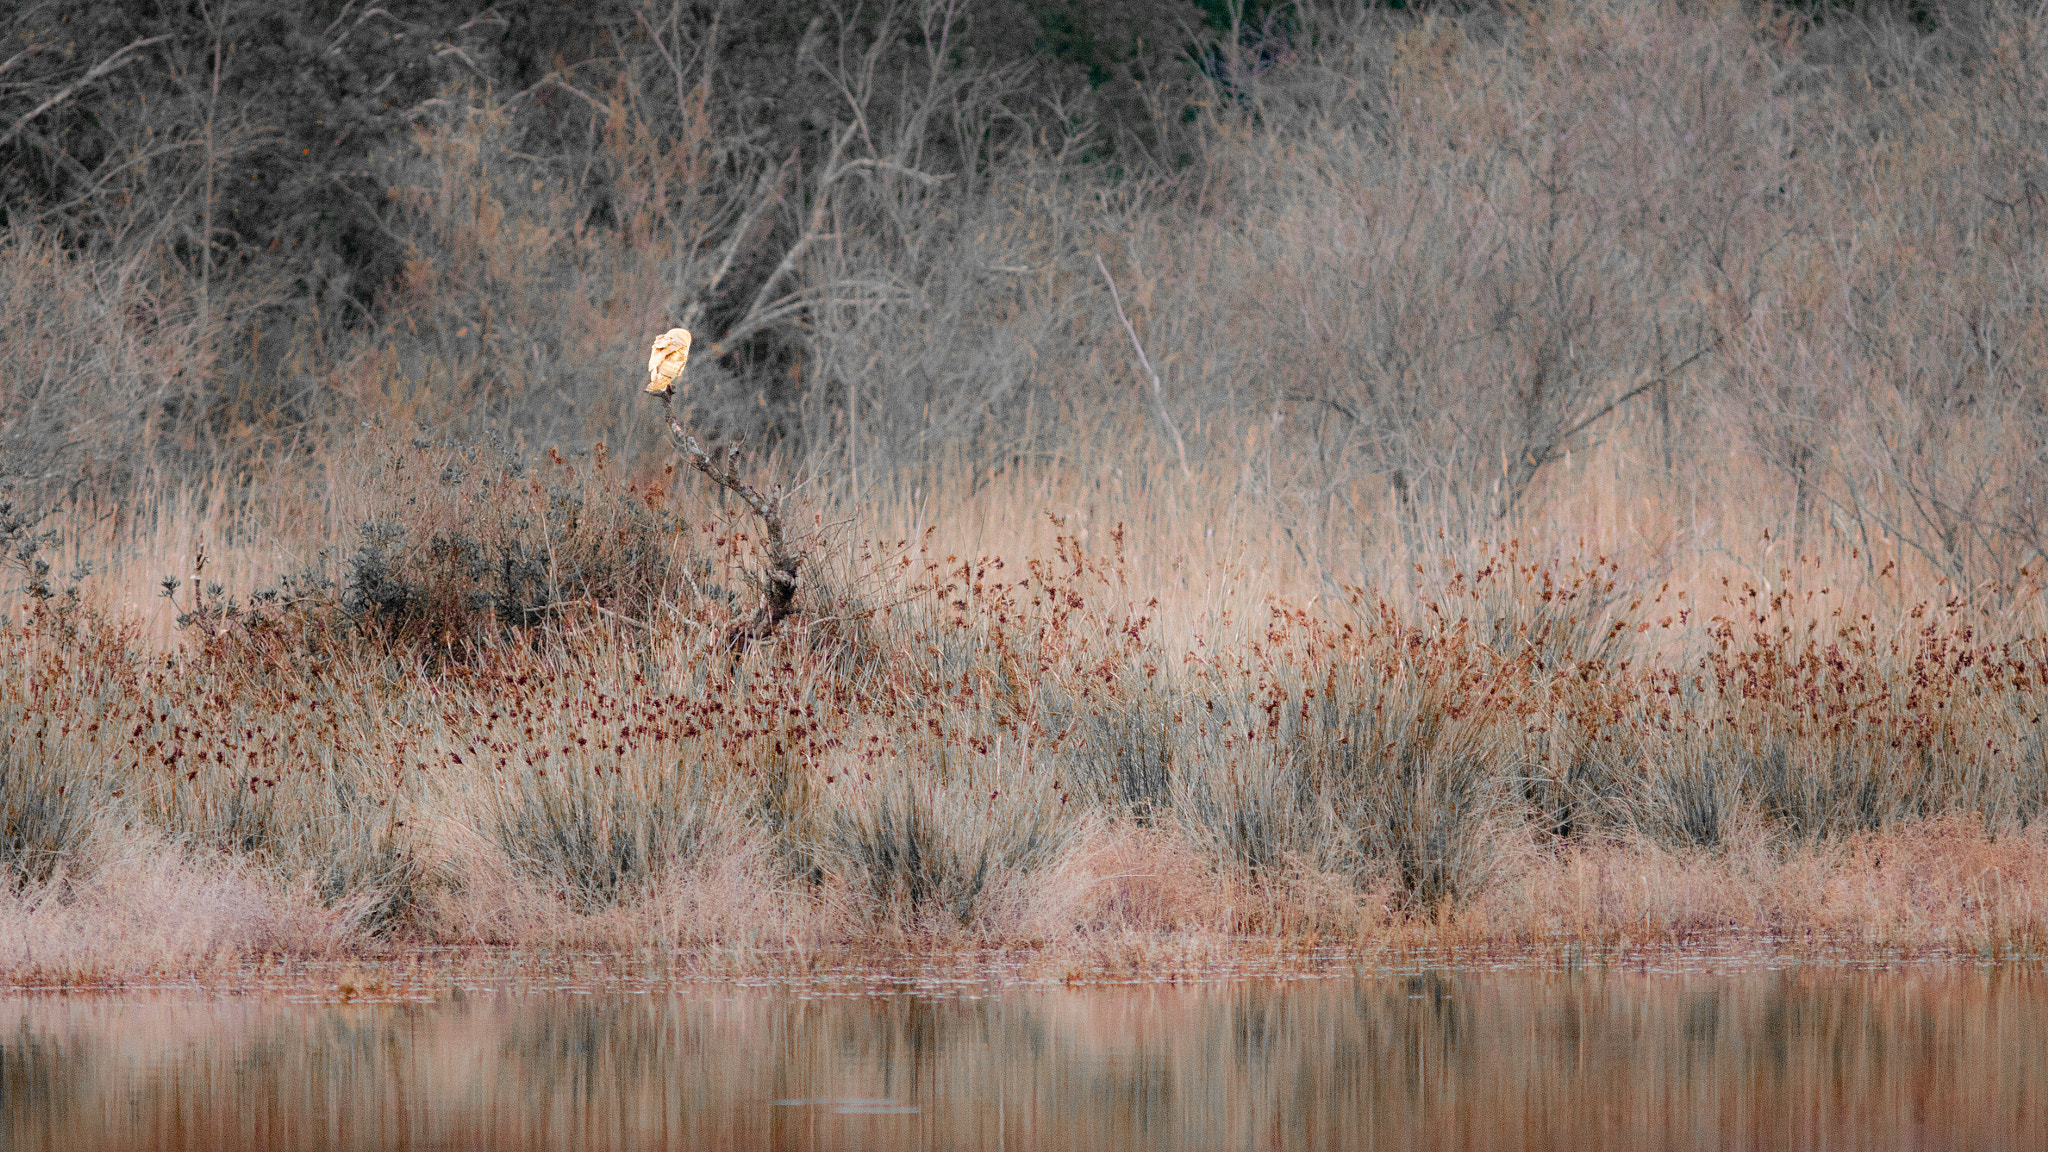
(1934, 1058)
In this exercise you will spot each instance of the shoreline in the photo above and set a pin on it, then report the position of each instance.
(1125, 904)
(1948, 898)
(436, 974)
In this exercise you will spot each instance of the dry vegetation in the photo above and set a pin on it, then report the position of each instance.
(1569, 472)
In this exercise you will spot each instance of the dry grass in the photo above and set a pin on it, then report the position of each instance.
(941, 753)
(1546, 507)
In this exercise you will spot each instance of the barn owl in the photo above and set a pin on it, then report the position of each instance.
(665, 363)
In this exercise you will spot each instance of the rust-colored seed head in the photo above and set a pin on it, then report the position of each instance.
(665, 362)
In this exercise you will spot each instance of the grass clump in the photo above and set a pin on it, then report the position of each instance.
(45, 810)
(461, 547)
(946, 856)
(474, 544)
(591, 839)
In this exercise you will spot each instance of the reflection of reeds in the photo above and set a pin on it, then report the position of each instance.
(1760, 1060)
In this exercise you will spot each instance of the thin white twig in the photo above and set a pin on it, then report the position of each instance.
(1180, 449)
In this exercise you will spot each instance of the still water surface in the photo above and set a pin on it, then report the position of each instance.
(1932, 1058)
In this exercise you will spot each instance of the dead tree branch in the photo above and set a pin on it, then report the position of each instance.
(779, 583)
(117, 60)
(1180, 449)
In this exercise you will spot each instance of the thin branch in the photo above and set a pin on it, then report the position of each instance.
(24, 54)
(1661, 378)
(1158, 394)
(557, 80)
(101, 69)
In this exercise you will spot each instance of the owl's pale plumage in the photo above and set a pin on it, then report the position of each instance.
(665, 363)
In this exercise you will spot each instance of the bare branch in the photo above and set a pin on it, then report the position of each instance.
(1663, 377)
(24, 54)
(117, 60)
(753, 322)
(1158, 394)
(778, 587)
(768, 308)
(764, 196)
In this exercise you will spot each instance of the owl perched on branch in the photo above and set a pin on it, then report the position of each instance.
(665, 362)
(779, 581)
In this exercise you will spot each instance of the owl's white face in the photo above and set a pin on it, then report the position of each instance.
(665, 363)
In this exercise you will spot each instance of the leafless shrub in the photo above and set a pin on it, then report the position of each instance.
(464, 546)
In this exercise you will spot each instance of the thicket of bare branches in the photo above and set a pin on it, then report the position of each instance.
(1779, 263)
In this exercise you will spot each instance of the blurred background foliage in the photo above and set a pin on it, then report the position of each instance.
(1433, 253)
(285, 121)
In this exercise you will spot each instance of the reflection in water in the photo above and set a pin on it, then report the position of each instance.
(1806, 1059)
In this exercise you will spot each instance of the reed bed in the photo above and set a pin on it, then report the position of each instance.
(516, 714)
(1469, 486)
